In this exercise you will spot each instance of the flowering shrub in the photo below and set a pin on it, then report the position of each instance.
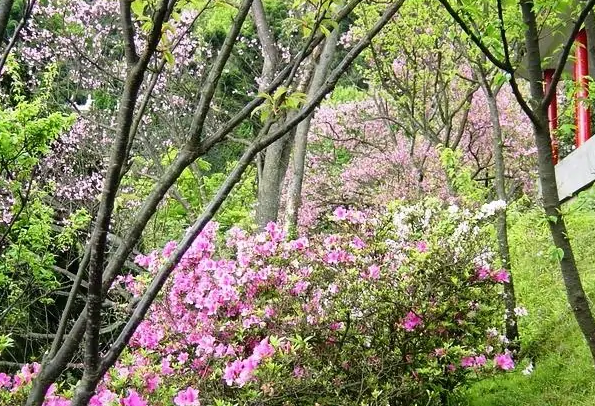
(380, 309)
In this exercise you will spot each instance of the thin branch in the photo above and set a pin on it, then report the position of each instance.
(128, 30)
(474, 37)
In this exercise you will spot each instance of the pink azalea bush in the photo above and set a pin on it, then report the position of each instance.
(400, 306)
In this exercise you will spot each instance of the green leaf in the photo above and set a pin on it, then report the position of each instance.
(138, 7)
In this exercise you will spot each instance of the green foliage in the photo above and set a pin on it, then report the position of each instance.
(460, 177)
(27, 233)
(343, 94)
(192, 192)
(280, 101)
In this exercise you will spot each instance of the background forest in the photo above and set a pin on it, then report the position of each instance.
(267, 202)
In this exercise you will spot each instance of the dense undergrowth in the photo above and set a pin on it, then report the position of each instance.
(563, 371)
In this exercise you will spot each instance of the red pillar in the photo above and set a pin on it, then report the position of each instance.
(552, 114)
(581, 70)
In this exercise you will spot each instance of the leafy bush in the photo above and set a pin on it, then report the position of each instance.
(398, 308)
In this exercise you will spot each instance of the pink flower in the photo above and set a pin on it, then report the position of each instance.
(421, 246)
(298, 372)
(103, 398)
(477, 361)
(182, 357)
(372, 273)
(152, 383)
(357, 243)
(133, 399)
(480, 360)
(263, 349)
(188, 397)
(300, 244)
(166, 369)
(502, 276)
(468, 362)
(169, 248)
(411, 321)
(340, 213)
(142, 260)
(5, 380)
(299, 287)
(231, 371)
(337, 325)
(482, 273)
(504, 362)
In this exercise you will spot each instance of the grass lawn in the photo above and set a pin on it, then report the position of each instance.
(563, 369)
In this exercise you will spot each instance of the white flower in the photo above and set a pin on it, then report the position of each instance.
(492, 332)
(528, 370)
(520, 311)
(489, 209)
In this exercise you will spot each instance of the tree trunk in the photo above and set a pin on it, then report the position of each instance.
(590, 30)
(276, 161)
(294, 193)
(547, 176)
(512, 332)
(5, 7)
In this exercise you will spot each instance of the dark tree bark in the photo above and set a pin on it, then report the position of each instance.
(590, 30)
(5, 7)
(275, 158)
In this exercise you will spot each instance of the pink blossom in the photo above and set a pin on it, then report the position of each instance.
(300, 244)
(480, 360)
(152, 383)
(372, 273)
(357, 243)
(264, 349)
(421, 246)
(133, 399)
(104, 397)
(482, 273)
(502, 276)
(299, 372)
(411, 321)
(169, 248)
(300, 287)
(5, 380)
(166, 369)
(187, 397)
(504, 362)
(337, 325)
(340, 213)
(467, 362)
(182, 357)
